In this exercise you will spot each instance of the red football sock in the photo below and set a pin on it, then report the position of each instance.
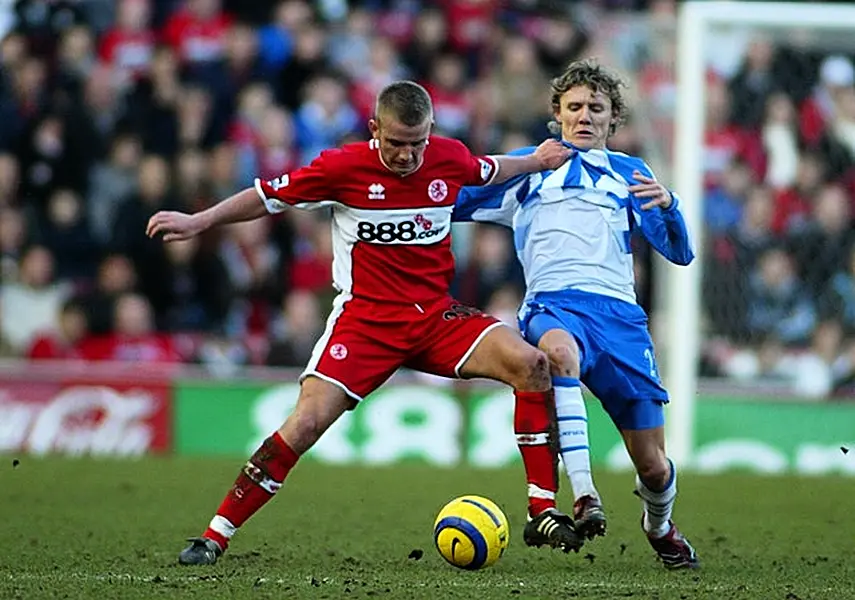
(533, 425)
(259, 480)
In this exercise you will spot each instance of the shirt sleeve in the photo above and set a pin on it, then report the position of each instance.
(481, 170)
(307, 187)
(665, 229)
(494, 203)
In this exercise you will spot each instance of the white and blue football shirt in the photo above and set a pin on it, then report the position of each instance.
(572, 226)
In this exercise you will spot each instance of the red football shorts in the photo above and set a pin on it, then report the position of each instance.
(364, 343)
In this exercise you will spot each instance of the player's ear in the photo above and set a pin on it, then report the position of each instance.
(374, 128)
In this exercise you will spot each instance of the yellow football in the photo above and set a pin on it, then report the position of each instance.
(471, 532)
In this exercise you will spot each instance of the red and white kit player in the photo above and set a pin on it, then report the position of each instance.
(392, 261)
(392, 199)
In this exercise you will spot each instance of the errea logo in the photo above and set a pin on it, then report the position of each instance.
(279, 182)
(376, 191)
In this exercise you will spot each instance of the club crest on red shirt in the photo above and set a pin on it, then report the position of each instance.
(338, 351)
(437, 190)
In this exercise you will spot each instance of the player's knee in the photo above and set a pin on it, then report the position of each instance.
(654, 470)
(301, 430)
(564, 360)
(531, 369)
(311, 417)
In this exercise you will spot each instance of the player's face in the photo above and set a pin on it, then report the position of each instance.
(585, 117)
(402, 147)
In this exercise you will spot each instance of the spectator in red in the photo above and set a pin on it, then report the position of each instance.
(128, 46)
(835, 74)
(725, 141)
(67, 340)
(134, 338)
(470, 23)
(311, 268)
(451, 103)
(793, 204)
(197, 31)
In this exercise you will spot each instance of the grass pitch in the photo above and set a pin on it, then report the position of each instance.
(112, 529)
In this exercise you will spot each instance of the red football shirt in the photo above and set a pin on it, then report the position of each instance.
(391, 234)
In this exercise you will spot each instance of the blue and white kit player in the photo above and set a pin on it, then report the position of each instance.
(571, 230)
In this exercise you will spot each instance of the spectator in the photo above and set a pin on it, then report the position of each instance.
(451, 103)
(491, 265)
(838, 299)
(32, 304)
(246, 127)
(350, 50)
(66, 234)
(277, 152)
(276, 40)
(152, 104)
(296, 330)
(68, 340)
(820, 248)
(730, 264)
(754, 83)
(13, 236)
(780, 141)
(127, 47)
(111, 182)
(793, 204)
(518, 86)
(226, 77)
(10, 177)
(383, 67)
(778, 303)
(725, 141)
(253, 267)
(194, 293)
(836, 74)
(724, 202)
(309, 61)
(429, 39)
(116, 276)
(134, 337)
(197, 31)
(191, 177)
(325, 117)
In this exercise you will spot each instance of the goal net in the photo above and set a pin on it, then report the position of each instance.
(764, 156)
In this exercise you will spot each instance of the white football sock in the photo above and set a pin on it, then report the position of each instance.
(658, 505)
(573, 435)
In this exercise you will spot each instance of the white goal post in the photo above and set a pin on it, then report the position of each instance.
(683, 294)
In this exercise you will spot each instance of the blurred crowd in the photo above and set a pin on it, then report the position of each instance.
(110, 111)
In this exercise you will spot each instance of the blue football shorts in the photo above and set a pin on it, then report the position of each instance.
(617, 359)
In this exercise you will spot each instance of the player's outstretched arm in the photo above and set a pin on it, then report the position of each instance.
(550, 155)
(175, 226)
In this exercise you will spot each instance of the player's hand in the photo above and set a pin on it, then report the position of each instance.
(174, 226)
(551, 154)
(650, 188)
